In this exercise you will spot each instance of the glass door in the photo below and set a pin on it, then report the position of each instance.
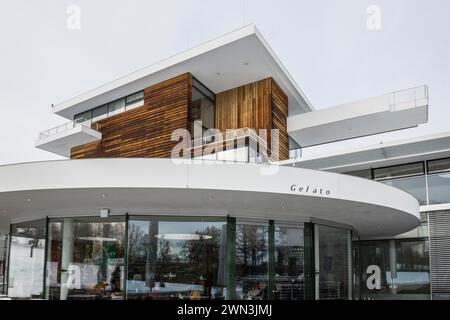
(332, 247)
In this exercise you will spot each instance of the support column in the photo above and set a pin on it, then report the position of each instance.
(231, 258)
(271, 286)
(309, 262)
(67, 255)
(393, 265)
(350, 265)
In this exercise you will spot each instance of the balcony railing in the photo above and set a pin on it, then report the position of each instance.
(63, 128)
(409, 95)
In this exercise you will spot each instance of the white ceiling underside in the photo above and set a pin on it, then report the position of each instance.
(409, 150)
(232, 60)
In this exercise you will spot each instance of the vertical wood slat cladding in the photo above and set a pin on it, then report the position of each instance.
(258, 105)
(247, 106)
(280, 111)
(144, 131)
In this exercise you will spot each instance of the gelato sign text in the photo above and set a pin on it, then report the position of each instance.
(307, 189)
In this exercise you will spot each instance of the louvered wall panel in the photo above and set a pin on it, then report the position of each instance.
(439, 224)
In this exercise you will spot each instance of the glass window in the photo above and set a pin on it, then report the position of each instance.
(100, 113)
(289, 274)
(176, 259)
(399, 171)
(135, 100)
(394, 269)
(439, 188)
(116, 107)
(334, 259)
(203, 108)
(438, 165)
(84, 118)
(26, 264)
(295, 151)
(85, 258)
(366, 174)
(416, 186)
(252, 262)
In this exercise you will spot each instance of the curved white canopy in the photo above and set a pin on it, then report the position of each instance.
(158, 186)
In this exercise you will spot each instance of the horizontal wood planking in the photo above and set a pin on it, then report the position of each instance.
(144, 131)
(258, 105)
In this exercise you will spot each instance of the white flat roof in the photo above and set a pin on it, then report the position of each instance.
(234, 59)
(409, 150)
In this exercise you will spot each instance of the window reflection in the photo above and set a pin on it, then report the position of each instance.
(85, 258)
(439, 188)
(403, 269)
(252, 262)
(289, 274)
(202, 111)
(176, 259)
(26, 264)
(333, 255)
(416, 186)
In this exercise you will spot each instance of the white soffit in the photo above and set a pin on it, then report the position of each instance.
(409, 150)
(393, 111)
(232, 60)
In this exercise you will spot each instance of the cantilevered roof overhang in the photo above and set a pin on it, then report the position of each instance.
(409, 150)
(232, 60)
(159, 186)
(393, 111)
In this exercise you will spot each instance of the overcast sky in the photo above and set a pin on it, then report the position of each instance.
(325, 44)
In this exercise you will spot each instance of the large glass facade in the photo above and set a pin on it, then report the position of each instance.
(145, 257)
(85, 258)
(178, 258)
(26, 260)
(393, 269)
(252, 262)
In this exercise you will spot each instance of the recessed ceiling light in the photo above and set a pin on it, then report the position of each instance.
(283, 207)
(103, 195)
(28, 199)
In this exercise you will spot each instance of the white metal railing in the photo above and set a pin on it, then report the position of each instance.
(64, 127)
(409, 95)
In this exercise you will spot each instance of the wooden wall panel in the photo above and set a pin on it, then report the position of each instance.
(279, 118)
(244, 107)
(144, 131)
(258, 105)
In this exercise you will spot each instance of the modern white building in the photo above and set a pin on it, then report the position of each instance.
(242, 214)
